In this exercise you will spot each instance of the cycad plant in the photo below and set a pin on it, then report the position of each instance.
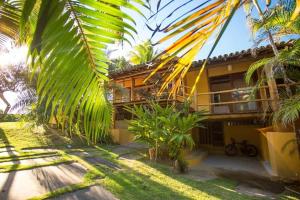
(66, 40)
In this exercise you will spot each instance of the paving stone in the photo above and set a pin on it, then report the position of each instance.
(256, 192)
(98, 160)
(96, 192)
(80, 153)
(9, 148)
(24, 184)
(41, 150)
(31, 161)
(8, 153)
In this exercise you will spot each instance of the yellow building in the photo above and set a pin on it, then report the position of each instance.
(223, 93)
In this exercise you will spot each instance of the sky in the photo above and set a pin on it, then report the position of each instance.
(235, 38)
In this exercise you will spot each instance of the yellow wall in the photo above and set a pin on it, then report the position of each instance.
(120, 134)
(212, 71)
(264, 147)
(219, 70)
(202, 87)
(284, 156)
(243, 132)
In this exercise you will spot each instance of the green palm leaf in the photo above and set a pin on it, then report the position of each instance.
(67, 49)
(10, 13)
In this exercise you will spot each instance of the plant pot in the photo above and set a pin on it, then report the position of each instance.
(151, 153)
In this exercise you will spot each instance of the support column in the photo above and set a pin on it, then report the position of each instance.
(132, 89)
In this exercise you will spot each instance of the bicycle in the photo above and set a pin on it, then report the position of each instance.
(245, 148)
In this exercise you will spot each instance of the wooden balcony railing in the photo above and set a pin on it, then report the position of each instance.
(239, 100)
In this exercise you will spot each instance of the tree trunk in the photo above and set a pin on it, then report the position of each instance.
(7, 104)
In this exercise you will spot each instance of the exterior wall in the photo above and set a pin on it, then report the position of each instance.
(120, 134)
(284, 155)
(264, 153)
(138, 81)
(243, 132)
(219, 70)
(202, 87)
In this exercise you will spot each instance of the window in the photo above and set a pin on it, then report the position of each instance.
(217, 98)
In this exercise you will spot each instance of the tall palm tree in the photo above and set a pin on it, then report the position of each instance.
(142, 53)
(67, 39)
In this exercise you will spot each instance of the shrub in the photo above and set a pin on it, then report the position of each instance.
(167, 126)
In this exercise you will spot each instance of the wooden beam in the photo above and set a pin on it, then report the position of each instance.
(132, 89)
(235, 102)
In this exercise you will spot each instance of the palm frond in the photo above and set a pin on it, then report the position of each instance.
(289, 111)
(296, 12)
(25, 99)
(142, 53)
(193, 28)
(290, 56)
(10, 13)
(255, 66)
(68, 51)
(278, 20)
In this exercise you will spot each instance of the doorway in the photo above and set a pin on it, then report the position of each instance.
(212, 134)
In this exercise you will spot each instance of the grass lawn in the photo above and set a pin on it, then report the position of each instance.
(21, 135)
(136, 179)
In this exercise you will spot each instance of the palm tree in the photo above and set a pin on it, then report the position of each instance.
(278, 20)
(142, 53)
(67, 40)
(118, 64)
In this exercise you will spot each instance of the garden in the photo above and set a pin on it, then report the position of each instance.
(57, 108)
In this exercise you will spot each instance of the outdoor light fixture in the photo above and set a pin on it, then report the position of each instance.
(229, 68)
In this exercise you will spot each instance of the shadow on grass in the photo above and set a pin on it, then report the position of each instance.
(5, 188)
(147, 181)
(220, 188)
(55, 138)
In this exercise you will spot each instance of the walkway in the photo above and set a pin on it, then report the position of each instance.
(26, 184)
(251, 177)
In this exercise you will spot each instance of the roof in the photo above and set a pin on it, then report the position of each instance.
(251, 52)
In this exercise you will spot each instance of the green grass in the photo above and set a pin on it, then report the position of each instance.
(17, 167)
(20, 135)
(135, 180)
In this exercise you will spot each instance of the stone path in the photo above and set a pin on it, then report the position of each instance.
(32, 161)
(24, 184)
(92, 193)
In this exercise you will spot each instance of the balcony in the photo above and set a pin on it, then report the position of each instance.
(224, 102)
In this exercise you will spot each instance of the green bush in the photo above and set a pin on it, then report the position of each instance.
(167, 126)
(10, 118)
